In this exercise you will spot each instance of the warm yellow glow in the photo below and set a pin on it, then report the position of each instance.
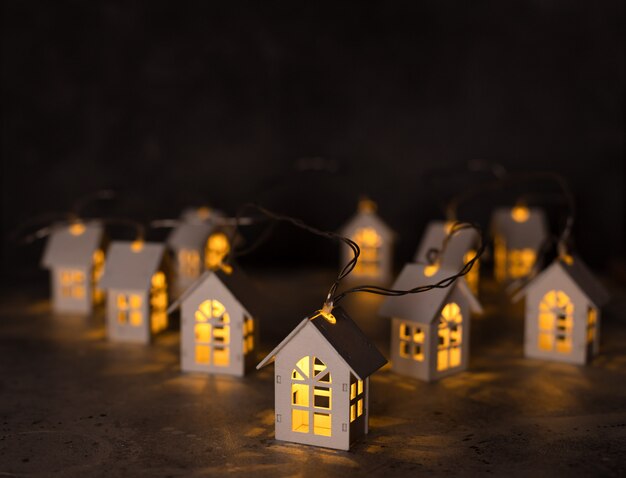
(569, 260)
(212, 330)
(352, 412)
(203, 332)
(592, 320)
(122, 317)
(122, 303)
(359, 387)
(359, 408)
(135, 301)
(189, 263)
(217, 247)
(72, 283)
(137, 245)
(322, 424)
(520, 213)
(136, 318)
(310, 392)
(248, 335)
(473, 276)
(300, 420)
(499, 253)
(520, 262)
(431, 269)
(96, 273)
(353, 391)
(77, 229)
(411, 342)
(203, 212)
(555, 321)
(303, 365)
(221, 356)
(450, 332)
(203, 354)
(369, 242)
(367, 205)
(158, 302)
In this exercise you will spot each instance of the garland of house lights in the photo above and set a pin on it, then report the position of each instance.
(332, 298)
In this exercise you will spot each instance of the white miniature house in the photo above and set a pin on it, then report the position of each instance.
(187, 243)
(375, 239)
(321, 372)
(219, 334)
(518, 235)
(74, 254)
(460, 249)
(135, 279)
(562, 312)
(430, 331)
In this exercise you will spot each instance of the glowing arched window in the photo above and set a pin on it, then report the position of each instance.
(555, 321)
(217, 247)
(158, 302)
(450, 337)
(311, 397)
(212, 334)
(370, 243)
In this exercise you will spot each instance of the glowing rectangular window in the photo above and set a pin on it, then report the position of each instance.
(455, 356)
(352, 412)
(352, 391)
(122, 318)
(300, 421)
(135, 301)
(359, 408)
(203, 354)
(136, 318)
(121, 302)
(321, 424)
(359, 390)
(418, 353)
(203, 332)
(545, 340)
(221, 356)
(442, 360)
(78, 292)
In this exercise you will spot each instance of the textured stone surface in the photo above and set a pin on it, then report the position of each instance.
(73, 404)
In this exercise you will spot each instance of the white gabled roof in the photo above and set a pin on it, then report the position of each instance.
(128, 269)
(577, 272)
(72, 250)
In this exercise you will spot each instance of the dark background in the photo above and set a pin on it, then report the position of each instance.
(182, 103)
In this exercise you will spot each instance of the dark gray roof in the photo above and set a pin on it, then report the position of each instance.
(424, 307)
(579, 273)
(189, 235)
(66, 249)
(129, 269)
(346, 338)
(237, 282)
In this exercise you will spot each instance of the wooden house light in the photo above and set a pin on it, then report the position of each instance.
(187, 242)
(219, 334)
(430, 331)
(375, 240)
(459, 250)
(562, 312)
(137, 291)
(518, 234)
(74, 254)
(321, 372)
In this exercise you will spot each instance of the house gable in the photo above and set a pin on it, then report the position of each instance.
(68, 250)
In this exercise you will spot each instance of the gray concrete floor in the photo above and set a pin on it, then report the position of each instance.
(73, 404)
